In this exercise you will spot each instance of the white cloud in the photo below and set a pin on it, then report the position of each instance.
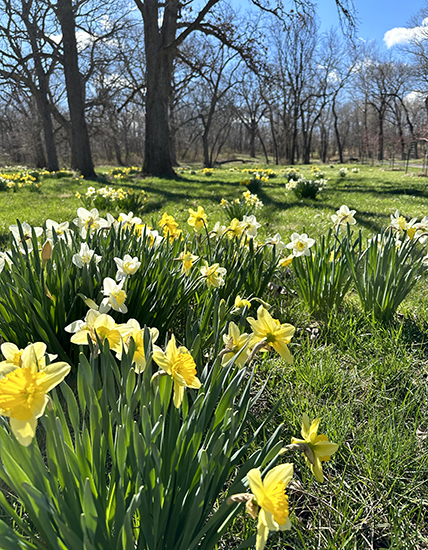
(403, 35)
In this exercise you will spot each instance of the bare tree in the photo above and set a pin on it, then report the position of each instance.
(166, 27)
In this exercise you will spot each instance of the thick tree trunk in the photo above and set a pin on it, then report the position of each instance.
(75, 90)
(159, 68)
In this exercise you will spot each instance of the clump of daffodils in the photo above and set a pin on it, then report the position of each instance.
(343, 172)
(109, 198)
(246, 206)
(411, 229)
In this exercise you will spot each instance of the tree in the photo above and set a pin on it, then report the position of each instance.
(165, 29)
(75, 89)
(27, 60)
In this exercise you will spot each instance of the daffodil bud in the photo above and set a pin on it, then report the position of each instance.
(46, 253)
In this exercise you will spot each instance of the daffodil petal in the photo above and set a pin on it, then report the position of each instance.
(24, 430)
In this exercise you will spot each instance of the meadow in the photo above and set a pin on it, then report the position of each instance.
(363, 374)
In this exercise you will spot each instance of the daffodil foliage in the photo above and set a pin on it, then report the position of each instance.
(122, 467)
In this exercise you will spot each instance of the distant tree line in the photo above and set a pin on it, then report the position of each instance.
(84, 82)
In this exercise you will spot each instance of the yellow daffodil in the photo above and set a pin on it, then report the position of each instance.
(276, 335)
(285, 262)
(187, 260)
(240, 303)
(214, 274)
(23, 393)
(270, 496)
(235, 343)
(198, 219)
(137, 334)
(180, 365)
(13, 356)
(319, 448)
(103, 326)
(235, 228)
(168, 224)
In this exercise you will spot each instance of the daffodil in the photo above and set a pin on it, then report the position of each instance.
(214, 274)
(235, 228)
(23, 393)
(62, 231)
(276, 241)
(26, 237)
(115, 296)
(137, 334)
(101, 325)
(240, 303)
(5, 259)
(89, 221)
(13, 356)
(316, 448)
(235, 343)
(284, 262)
(85, 256)
(218, 230)
(187, 260)
(128, 221)
(198, 219)
(270, 330)
(251, 225)
(126, 267)
(269, 495)
(300, 244)
(343, 216)
(168, 225)
(180, 365)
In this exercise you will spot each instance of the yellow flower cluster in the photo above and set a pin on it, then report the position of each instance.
(18, 180)
(261, 173)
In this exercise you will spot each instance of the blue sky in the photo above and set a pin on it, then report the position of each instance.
(376, 17)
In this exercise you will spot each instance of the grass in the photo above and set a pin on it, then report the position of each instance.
(368, 383)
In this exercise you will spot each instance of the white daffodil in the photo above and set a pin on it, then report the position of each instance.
(152, 236)
(251, 225)
(128, 220)
(218, 230)
(300, 244)
(85, 256)
(126, 267)
(27, 236)
(214, 274)
(276, 240)
(5, 259)
(344, 216)
(61, 229)
(115, 296)
(89, 221)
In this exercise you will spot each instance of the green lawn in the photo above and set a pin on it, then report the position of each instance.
(367, 383)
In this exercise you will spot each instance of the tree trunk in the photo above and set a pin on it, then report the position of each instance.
(41, 93)
(159, 68)
(336, 132)
(75, 90)
(380, 139)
